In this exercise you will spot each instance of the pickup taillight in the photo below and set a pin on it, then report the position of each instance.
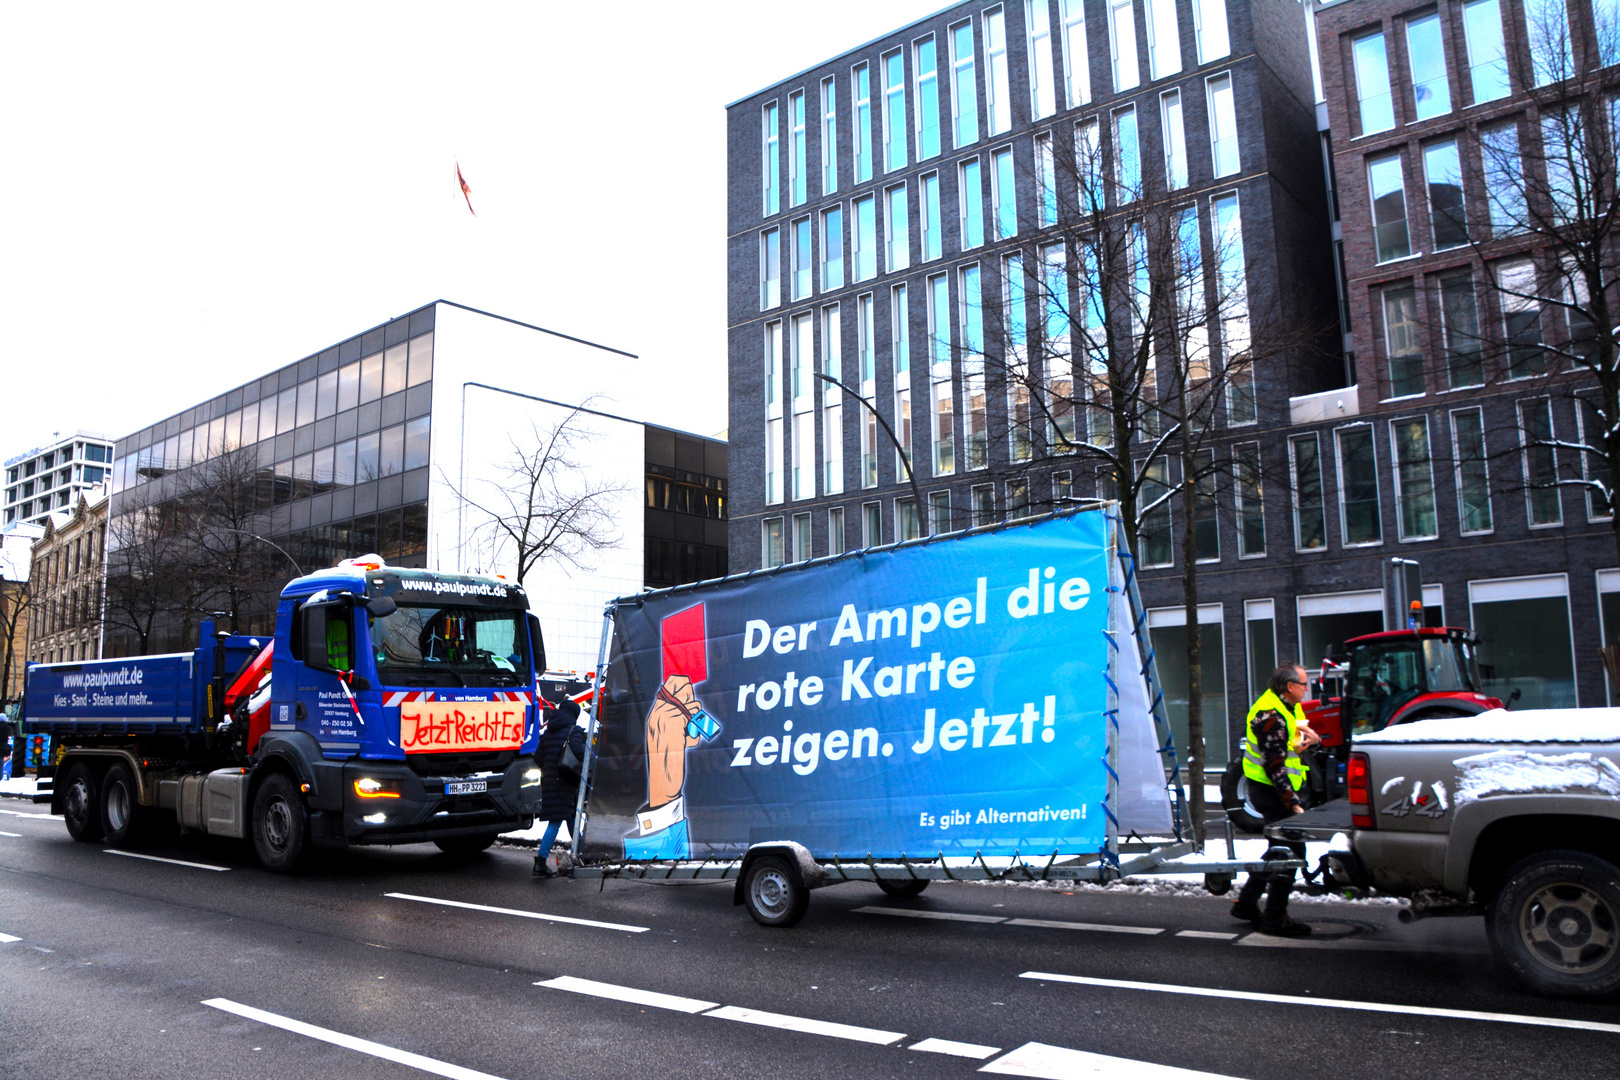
(1358, 782)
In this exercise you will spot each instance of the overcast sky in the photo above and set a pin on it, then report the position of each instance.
(197, 194)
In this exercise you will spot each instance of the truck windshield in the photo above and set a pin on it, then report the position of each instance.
(434, 645)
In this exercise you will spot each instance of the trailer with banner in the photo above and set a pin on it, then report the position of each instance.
(982, 705)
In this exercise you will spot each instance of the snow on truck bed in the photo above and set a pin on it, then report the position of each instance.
(1502, 726)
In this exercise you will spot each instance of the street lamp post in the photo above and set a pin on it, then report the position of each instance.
(905, 454)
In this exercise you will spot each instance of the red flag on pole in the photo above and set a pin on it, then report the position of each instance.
(466, 191)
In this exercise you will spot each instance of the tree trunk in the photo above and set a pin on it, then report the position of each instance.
(1195, 664)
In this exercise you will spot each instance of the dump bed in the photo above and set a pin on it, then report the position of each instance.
(138, 695)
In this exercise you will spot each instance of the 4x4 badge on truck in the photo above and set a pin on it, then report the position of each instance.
(1433, 805)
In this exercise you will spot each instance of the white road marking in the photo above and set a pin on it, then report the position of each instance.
(13, 834)
(349, 1042)
(8, 937)
(630, 994)
(810, 1027)
(1268, 941)
(520, 914)
(1213, 935)
(946, 916)
(955, 1049)
(1057, 925)
(171, 862)
(1329, 1003)
(19, 813)
(1061, 1063)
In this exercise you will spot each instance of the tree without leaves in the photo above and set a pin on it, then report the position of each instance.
(16, 600)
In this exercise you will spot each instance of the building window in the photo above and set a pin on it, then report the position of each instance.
(943, 434)
(932, 238)
(1487, 52)
(1206, 529)
(1402, 341)
(1017, 499)
(866, 359)
(832, 402)
(1473, 477)
(1042, 91)
(773, 548)
(871, 524)
(1376, 104)
(894, 111)
(865, 238)
(773, 413)
(835, 531)
(772, 159)
(803, 269)
(1387, 185)
(1565, 157)
(861, 82)
(1594, 461)
(1076, 57)
(983, 499)
(925, 69)
(1232, 300)
(829, 136)
(832, 248)
(1223, 136)
(1431, 93)
(1045, 181)
(796, 149)
(900, 347)
(939, 512)
(1249, 502)
(1447, 216)
(1164, 39)
(970, 192)
(1175, 140)
(1504, 178)
(907, 522)
(1090, 175)
(1127, 157)
(1521, 319)
(1003, 195)
(1460, 322)
(1414, 479)
(802, 545)
(802, 365)
(964, 86)
(1154, 535)
(1122, 44)
(897, 229)
(1547, 26)
(998, 98)
(1540, 463)
(1358, 487)
(770, 268)
(1209, 23)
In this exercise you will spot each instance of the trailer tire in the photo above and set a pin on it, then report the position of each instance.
(122, 819)
(1235, 800)
(81, 808)
(280, 824)
(466, 846)
(1555, 923)
(773, 893)
(902, 889)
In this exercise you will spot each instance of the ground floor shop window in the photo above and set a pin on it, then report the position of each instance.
(1167, 628)
(1525, 643)
(1327, 622)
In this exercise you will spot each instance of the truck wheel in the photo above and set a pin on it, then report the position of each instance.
(80, 808)
(1235, 800)
(1555, 923)
(773, 894)
(280, 824)
(121, 817)
(466, 845)
(903, 888)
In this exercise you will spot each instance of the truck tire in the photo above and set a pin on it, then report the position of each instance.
(1235, 800)
(121, 812)
(280, 824)
(464, 846)
(1555, 923)
(81, 807)
(902, 889)
(773, 893)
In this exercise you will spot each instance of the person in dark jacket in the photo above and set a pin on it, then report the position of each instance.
(559, 789)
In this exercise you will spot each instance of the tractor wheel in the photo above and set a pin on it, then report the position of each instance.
(1236, 802)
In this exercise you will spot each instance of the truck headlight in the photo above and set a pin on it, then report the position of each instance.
(374, 819)
(531, 777)
(367, 788)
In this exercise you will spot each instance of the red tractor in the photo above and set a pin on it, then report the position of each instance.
(1394, 677)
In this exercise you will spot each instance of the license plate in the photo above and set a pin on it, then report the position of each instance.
(465, 787)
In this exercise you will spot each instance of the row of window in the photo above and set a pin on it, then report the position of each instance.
(52, 569)
(65, 455)
(955, 110)
(986, 200)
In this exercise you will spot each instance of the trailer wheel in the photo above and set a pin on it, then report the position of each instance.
(466, 845)
(121, 817)
(80, 808)
(773, 893)
(1555, 923)
(280, 824)
(1218, 884)
(902, 889)
(1236, 802)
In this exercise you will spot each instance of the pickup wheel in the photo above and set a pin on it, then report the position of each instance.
(1235, 800)
(280, 824)
(1555, 923)
(773, 893)
(465, 846)
(81, 808)
(902, 889)
(121, 812)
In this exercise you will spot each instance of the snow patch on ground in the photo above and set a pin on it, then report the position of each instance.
(1518, 772)
(1501, 726)
(21, 787)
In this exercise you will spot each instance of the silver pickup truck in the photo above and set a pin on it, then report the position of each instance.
(1510, 815)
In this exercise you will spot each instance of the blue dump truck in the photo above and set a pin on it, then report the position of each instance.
(391, 706)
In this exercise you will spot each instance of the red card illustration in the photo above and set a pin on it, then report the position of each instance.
(686, 646)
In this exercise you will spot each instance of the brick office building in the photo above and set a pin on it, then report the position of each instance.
(66, 582)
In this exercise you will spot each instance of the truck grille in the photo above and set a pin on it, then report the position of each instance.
(460, 764)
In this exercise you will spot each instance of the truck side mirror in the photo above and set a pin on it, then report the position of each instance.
(537, 644)
(381, 606)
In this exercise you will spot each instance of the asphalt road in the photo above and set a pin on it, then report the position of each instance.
(117, 966)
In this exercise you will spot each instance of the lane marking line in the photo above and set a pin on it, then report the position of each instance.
(349, 1042)
(519, 914)
(955, 1049)
(19, 813)
(1054, 924)
(1061, 1063)
(629, 994)
(8, 938)
(1329, 1003)
(1267, 941)
(1212, 935)
(13, 834)
(944, 916)
(810, 1027)
(171, 862)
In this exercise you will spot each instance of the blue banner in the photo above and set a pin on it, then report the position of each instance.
(147, 688)
(945, 697)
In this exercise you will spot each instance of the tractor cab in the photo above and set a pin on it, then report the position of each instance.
(1405, 675)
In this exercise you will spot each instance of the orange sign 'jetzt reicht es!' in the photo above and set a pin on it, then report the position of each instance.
(438, 727)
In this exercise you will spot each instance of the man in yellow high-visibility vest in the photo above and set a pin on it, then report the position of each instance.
(1274, 735)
